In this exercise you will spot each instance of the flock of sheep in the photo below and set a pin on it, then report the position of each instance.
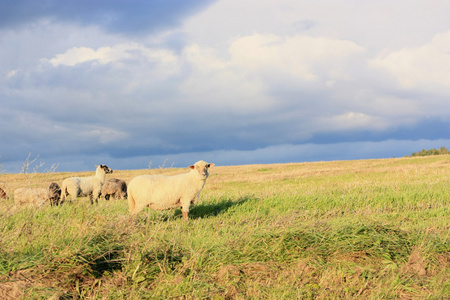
(159, 192)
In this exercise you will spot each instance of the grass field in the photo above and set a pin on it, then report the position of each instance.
(369, 229)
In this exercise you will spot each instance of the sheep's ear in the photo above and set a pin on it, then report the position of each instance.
(211, 165)
(192, 167)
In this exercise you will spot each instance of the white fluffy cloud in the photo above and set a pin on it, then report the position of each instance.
(423, 67)
(220, 85)
(111, 54)
(351, 121)
(241, 83)
(305, 57)
(103, 134)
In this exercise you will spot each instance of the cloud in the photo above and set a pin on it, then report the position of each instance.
(216, 84)
(116, 53)
(102, 134)
(79, 55)
(424, 67)
(11, 73)
(307, 58)
(353, 120)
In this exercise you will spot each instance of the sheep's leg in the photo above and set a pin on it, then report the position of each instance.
(97, 195)
(69, 194)
(73, 192)
(185, 209)
(185, 215)
(91, 196)
(63, 195)
(131, 203)
(70, 198)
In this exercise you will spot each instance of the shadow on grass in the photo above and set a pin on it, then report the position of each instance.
(197, 211)
(103, 253)
(205, 210)
(110, 261)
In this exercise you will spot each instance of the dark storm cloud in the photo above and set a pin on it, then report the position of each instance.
(131, 17)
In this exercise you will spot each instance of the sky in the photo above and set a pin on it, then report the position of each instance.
(138, 84)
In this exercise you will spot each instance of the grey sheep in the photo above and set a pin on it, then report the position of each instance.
(114, 187)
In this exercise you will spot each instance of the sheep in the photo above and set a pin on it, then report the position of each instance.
(34, 197)
(85, 186)
(2, 194)
(54, 193)
(114, 187)
(166, 192)
(37, 197)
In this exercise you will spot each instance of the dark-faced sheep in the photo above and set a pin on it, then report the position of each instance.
(2, 194)
(54, 193)
(114, 187)
(167, 192)
(85, 186)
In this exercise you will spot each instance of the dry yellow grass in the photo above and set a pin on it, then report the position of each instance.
(265, 178)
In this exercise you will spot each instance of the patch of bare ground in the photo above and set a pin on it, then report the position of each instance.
(13, 290)
(416, 264)
(15, 285)
(57, 284)
(240, 279)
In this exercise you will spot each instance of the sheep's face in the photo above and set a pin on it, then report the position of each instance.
(202, 167)
(54, 188)
(105, 169)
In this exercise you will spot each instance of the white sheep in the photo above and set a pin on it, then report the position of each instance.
(34, 197)
(166, 192)
(85, 186)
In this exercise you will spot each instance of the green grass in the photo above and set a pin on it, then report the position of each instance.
(373, 229)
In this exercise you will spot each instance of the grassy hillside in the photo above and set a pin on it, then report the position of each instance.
(374, 229)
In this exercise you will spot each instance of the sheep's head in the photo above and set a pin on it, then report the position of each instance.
(54, 193)
(202, 167)
(105, 169)
(54, 188)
